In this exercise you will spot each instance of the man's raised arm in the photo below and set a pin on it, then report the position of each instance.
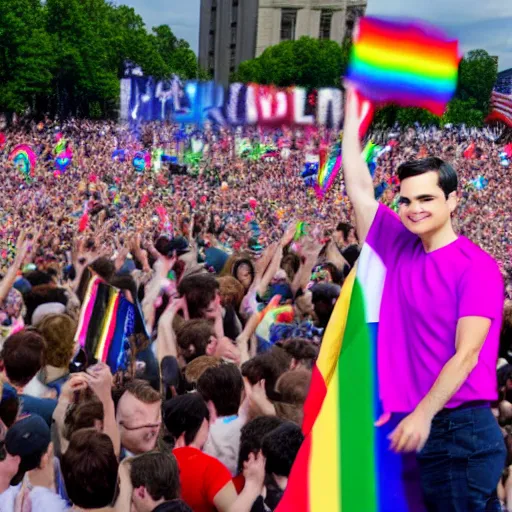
(358, 181)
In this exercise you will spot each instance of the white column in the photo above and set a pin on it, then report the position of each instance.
(338, 26)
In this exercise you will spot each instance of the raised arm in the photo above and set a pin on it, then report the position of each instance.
(6, 283)
(358, 181)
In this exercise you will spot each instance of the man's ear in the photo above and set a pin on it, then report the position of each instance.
(140, 492)
(453, 200)
(212, 410)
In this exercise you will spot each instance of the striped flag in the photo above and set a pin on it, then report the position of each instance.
(344, 463)
(501, 103)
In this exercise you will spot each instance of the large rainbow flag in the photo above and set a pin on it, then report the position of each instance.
(345, 464)
(410, 63)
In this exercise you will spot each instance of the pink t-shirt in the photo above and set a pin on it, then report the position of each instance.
(423, 298)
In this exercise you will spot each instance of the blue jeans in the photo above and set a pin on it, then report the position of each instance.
(462, 462)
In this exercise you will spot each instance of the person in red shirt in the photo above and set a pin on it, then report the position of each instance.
(206, 484)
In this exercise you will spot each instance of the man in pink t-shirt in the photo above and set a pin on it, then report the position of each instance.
(440, 320)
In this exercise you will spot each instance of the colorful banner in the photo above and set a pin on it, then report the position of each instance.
(144, 99)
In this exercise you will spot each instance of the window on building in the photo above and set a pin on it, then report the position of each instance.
(325, 24)
(232, 58)
(211, 42)
(288, 24)
(233, 36)
(353, 14)
(211, 61)
(234, 11)
(213, 16)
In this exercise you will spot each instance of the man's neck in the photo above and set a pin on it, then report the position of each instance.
(441, 238)
(54, 373)
(5, 483)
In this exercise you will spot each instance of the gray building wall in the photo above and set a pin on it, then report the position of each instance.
(227, 35)
(227, 40)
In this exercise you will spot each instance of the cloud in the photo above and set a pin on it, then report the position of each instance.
(474, 25)
(439, 11)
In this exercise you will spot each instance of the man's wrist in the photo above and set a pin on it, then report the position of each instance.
(426, 410)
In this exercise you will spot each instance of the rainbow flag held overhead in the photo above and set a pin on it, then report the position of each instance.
(344, 463)
(107, 320)
(409, 63)
(328, 170)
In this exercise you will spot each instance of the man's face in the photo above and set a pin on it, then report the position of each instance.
(337, 236)
(211, 312)
(352, 238)
(139, 424)
(424, 208)
(243, 274)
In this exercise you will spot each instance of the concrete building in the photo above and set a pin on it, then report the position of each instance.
(232, 31)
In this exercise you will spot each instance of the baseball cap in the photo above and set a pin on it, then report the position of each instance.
(28, 438)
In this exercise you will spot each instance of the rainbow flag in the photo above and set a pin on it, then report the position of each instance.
(107, 320)
(24, 160)
(345, 464)
(329, 169)
(412, 64)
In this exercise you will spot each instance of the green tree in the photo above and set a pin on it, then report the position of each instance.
(410, 116)
(130, 41)
(26, 56)
(85, 75)
(463, 112)
(177, 54)
(477, 76)
(307, 62)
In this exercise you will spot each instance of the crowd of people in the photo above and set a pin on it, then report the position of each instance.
(234, 268)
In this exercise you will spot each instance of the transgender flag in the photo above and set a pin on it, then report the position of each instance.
(345, 464)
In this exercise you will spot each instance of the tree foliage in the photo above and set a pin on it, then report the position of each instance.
(307, 62)
(477, 76)
(66, 56)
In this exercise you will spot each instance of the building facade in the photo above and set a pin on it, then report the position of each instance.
(232, 31)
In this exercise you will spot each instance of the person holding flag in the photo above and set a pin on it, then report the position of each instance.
(440, 320)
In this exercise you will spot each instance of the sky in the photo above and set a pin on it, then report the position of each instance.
(476, 23)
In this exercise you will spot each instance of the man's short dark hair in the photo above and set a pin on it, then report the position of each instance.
(184, 415)
(447, 177)
(345, 229)
(301, 350)
(177, 506)
(89, 468)
(252, 435)
(23, 355)
(158, 472)
(223, 385)
(38, 277)
(139, 388)
(265, 366)
(199, 291)
(280, 447)
(194, 333)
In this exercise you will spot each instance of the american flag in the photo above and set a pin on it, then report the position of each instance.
(501, 102)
